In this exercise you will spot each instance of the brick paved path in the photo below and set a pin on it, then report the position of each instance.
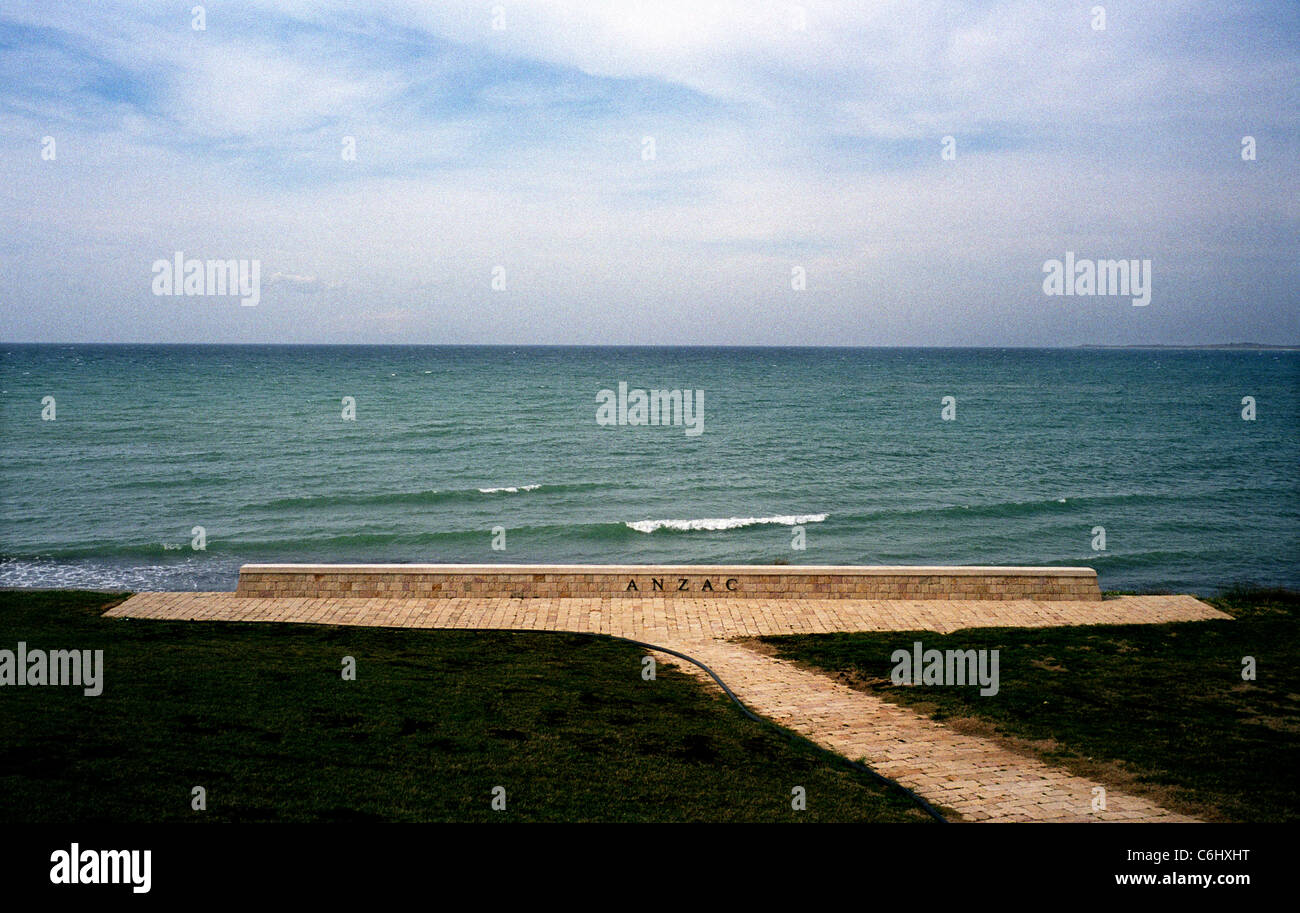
(976, 777)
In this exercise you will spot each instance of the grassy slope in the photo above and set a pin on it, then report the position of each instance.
(1161, 709)
(260, 716)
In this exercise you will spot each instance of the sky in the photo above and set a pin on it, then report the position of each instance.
(657, 173)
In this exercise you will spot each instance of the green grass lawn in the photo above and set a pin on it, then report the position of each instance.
(259, 715)
(1158, 709)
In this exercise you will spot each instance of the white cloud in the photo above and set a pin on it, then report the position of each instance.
(239, 91)
(819, 147)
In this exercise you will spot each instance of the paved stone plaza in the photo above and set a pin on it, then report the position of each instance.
(974, 777)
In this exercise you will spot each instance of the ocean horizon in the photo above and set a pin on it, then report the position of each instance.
(167, 466)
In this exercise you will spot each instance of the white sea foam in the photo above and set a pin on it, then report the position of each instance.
(89, 574)
(509, 488)
(717, 523)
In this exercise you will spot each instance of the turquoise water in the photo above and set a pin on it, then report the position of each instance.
(149, 442)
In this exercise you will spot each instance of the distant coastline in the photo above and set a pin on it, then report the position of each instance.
(1173, 347)
(1244, 346)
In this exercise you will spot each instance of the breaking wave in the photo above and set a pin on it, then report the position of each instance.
(719, 523)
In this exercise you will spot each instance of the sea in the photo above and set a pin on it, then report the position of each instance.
(166, 467)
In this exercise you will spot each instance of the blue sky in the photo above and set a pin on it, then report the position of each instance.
(775, 146)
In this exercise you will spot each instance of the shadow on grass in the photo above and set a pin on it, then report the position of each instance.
(260, 716)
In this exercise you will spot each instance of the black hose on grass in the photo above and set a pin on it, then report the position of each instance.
(856, 765)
